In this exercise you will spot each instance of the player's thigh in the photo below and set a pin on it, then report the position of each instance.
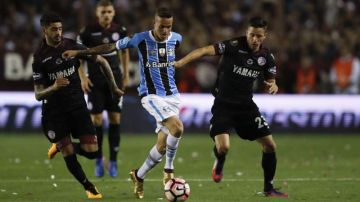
(159, 107)
(220, 123)
(96, 100)
(81, 124)
(55, 128)
(251, 125)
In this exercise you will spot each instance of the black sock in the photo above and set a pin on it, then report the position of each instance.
(75, 169)
(114, 140)
(80, 151)
(269, 167)
(99, 134)
(220, 161)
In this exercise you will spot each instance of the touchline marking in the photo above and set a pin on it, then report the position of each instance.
(345, 179)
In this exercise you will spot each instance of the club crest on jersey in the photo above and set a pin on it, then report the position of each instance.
(115, 36)
(162, 52)
(249, 61)
(106, 40)
(261, 61)
(234, 42)
(58, 61)
(51, 134)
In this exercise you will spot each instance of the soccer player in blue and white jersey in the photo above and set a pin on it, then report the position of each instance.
(160, 96)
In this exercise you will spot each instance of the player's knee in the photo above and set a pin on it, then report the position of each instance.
(97, 120)
(269, 147)
(223, 149)
(161, 148)
(177, 128)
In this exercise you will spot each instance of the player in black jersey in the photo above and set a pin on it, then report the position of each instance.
(64, 111)
(243, 60)
(105, 31)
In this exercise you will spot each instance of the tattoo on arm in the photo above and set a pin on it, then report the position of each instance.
(41, 92)
(104, 48)
(106, 69)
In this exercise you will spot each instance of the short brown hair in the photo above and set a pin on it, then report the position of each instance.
(164, 12)
(104, 3)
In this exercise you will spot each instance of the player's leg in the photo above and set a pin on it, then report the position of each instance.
(268, 163)
(174, 128)
(114, 113)
(96, 105)
(221, 148)
(97, 119)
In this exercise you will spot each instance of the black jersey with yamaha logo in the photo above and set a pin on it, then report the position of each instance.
(49, 65)
(95, 35)
(239, 68)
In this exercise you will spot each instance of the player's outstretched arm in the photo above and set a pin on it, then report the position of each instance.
(109, 75)
(86, 83)
(41, 92)
(125, 60)
(271, 86)
(195, 54)
(105, 48)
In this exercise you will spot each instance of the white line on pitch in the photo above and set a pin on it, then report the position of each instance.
(189, 180)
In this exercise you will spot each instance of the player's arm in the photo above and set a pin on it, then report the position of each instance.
(86, 83)
(104, 48)
(106, 69)
(125, 60)
(195, 54)
(41, 92)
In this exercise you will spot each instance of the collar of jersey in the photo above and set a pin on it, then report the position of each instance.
(153, 38)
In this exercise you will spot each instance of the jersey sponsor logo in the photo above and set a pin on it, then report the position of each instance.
(58, 61)
(245, 72)
(37, 76)
(249, 61)
(261, 61)
(243, 52)
(96, 34)
(106, 40)
(51, 134)
(159, 64)
(221, 47)
(272, 70)
(115, 36)
(162, 52)
(46, 59)
(64, 73)
(234, 42)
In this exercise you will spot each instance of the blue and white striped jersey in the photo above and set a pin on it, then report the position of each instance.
(156, 60)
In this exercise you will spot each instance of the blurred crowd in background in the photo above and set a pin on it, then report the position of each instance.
(316, 43)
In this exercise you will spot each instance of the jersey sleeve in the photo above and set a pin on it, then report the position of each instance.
(226, 47)
(270, 71)
(38, 72)
(83, 37)
(128, 42)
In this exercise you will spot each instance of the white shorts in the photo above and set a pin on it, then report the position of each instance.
(161, 108)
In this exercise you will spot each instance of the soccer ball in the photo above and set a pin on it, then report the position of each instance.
(177, 189)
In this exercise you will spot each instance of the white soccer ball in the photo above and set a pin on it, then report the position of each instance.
(177, 189)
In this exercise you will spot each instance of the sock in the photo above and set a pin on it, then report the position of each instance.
(269, 167)
(80, 151)
(220, 161)
(99, 134)
(114, 140)
(172, 143)
(151, 161)
(75, 169)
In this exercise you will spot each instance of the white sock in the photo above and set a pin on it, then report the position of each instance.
(150, 162)
(172, 144)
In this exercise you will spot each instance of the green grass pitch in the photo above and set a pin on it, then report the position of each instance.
(310, 168)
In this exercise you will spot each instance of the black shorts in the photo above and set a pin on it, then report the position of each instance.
(246, 120)
(100, 99)
(76, 123)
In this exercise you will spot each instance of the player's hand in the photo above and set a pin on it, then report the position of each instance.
(117, 92)
(60, 83)
(69, 54)
(86, 85)
(271, 87)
